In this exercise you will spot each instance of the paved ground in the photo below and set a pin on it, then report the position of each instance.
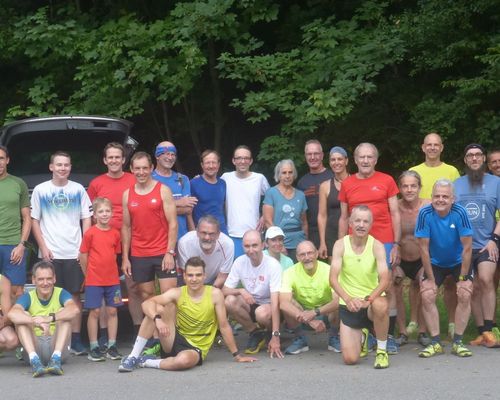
(317, 374)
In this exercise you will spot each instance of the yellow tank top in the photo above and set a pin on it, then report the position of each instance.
(37, 308)
(197, 321)
(359, 275)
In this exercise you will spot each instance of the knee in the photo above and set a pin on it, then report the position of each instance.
(463, 296)
(380, 306)
(428, 297)
(184, 361)
(350, 359)
(230, 302)
(111, 311)
(94, 313)
(263, 314)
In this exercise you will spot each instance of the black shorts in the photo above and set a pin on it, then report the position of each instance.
(411, 268)
(69, 275)
(441, 273)
(253, 307)
(355, 320)
(144, 269)
(181, 344)
(478, 258)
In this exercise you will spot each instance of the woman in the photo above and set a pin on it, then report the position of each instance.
(285, 206)
(329, 205)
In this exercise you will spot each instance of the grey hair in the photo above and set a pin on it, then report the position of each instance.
(279, 165)
(412, 174)
(356, 150)
(361, 207)
(442, 182)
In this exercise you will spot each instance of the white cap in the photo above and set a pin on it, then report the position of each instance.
(274, 231)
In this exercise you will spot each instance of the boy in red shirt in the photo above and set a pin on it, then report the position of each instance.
(98, 251)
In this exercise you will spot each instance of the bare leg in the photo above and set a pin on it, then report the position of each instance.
(450, 297)
(350, 342)
(112, 323)
(462, 313)
(430, 311)
(76, 323)
(134, 301)
(167, 283)
(92, 324)
(240, 311)
(8, 338)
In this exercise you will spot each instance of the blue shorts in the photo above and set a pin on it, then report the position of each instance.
(94, 295)
(388, 247)
(15, 273)
(238, 246)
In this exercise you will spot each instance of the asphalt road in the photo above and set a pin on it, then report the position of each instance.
(317, 374)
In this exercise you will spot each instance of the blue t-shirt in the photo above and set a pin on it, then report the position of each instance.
(25, 300)
(180, 187)
(287, 214)
(444, 234)
(211, 198)
(481, 202)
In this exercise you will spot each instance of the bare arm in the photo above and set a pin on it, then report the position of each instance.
(84, 258)
(322, 217)
(382, 269)
(171, 215)
(466, 254)
(274, 346)
(219, 281)
(423, 244)
(86, 224)
(17, 254)
(395, 257)
(125, 236)
(267, 215)
(305, 224)
(343, 220)
(37, 233)
(149, 306)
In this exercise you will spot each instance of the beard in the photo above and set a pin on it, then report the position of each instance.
(475, 176)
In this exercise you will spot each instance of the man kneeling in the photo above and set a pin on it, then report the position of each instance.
(186, 319)
(359, 275)
(42, 319)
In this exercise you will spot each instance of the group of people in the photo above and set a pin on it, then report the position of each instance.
(328, 255)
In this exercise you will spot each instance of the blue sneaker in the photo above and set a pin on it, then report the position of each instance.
(37, 367)
(128, 364)
(299, 345)
(334, 344)
(54, 365)
(392, 346)
(142, 359)
(77, 348)
(256, 341)
(372, 342)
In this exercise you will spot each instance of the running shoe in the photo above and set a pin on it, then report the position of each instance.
(460, 350)
(128, 364)
(477, 341)
(364, 344)
(37, 367)
(496, 332)
(19, 353)
(402, 340)
(113, 354)
(256, 341)
(372, 342)
(154, 350)
(142, 359)
(381, 360)
(96, 355)
(392, 346)
(299, 345)
(334, 344)
(489, 339)
(431, 350)
(424, 339)
(77, 348)
(54, 365)
(412, 328)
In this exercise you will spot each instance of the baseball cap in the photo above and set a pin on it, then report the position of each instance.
(274, 231)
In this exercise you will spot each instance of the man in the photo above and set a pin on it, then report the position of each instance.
(43, 319)
(411, 265)
(149, 230)
(186, 319)
(209, 190)
(494, 162)
(111, 185)
(379, 192)
(310, 183)
(306, 298)
(58, 207)
(479, 193)
(430, 171)
(359, 275)
(275, 242)
(255, 304)
(214, 247)
(444, 234)
(166, 155)
(15, 226)
(244, 190)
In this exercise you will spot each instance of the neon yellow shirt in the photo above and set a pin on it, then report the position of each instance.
(37, 308)
(430, 175)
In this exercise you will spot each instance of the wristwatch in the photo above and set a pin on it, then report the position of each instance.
(276, 333)
(462, 278)
(171, 252)
(317, 312)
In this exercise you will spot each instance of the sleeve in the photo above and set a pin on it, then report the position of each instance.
(86, 205)
(392, 187)
(229, 254)
(342, 194)
(304, 201)
(64, 297)
(498, 194)
(118, 242)
(92, 190)
(463, 222)
(233, 278)
(193, 187)
(269, 198)
(264, 185)
(186, 187)
(86, 241)
(36, 211)
(24, 301)
(275, 278)
(24, 199)
(422, 227)
(286, 282)
(455, 174)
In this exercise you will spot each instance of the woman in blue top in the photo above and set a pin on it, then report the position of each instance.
(285, 206)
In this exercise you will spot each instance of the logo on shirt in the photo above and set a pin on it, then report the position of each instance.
(60, 201)
(473, 211)
(262, 278)
(452, 226)
(153, 201)
(375, 189)
(134, 204)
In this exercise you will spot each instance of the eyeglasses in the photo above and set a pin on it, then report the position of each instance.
(470, 156)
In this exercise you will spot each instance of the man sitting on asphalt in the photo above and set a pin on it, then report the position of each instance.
(306, 298)
(43, 319)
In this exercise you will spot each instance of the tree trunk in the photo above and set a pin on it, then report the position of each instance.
(217, 96)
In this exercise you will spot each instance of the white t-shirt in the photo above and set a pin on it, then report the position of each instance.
(259, 281)
(243, 201)
(220, 260)
(59, 210)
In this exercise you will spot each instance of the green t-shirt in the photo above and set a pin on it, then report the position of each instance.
(13, 197)
(309, 291)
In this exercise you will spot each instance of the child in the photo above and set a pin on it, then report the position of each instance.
(100, 245)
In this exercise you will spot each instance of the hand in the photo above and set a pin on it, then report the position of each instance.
(17, 254)
(322, 251)
(354, 304)
(162, 327)
(492, 249)
(464, 285)
(168, 262)
(428, 284)
(244, 359)
(186, 201)
(318, 325)
(395, 257)
(273, 348)
(247, 297)
(47, 254)
(306, 316)
(260, 225)
(126, 267)
(397, 275)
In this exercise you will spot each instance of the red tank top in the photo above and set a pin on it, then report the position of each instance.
(148, 223)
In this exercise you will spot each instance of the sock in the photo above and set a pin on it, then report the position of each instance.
(436, 339)
(56, 353)
(111, 343)
(139, 344)
(32, 355)
(392, 321)
(480, 329)
(334, 330)
(152, 364)
(457, 338)
(103, 332)
(94, 345)
(488, 325)
(382, 345)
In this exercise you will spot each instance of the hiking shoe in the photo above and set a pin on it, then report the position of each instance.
(451, 330)
(96, 355)
(489, 339)
(402, 340)
(460, 350)
(424, 339)
(256, 341)
(412, 328)
(37, 367)
(54, 365)
(299, 345)
(381, 360)
(128, 364)
(392, 346)
(113, 354)
(77, 348)
(431, 350)
(154, 350)
(334, 344)
(364, 346)
(142, 359)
